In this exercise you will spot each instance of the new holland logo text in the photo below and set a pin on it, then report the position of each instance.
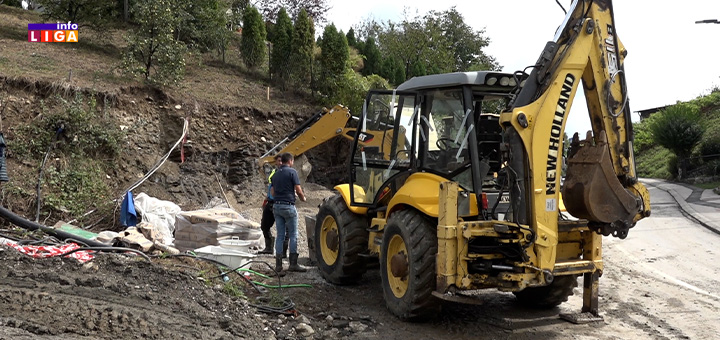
(556, 134)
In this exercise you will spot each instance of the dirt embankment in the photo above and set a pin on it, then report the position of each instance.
(220, 151)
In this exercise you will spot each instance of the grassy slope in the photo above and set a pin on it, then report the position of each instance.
(94, 62)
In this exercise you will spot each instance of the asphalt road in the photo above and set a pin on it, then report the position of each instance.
(661, 282)
(665, 275)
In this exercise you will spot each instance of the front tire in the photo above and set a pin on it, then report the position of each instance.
(340, 237)
(407, 266)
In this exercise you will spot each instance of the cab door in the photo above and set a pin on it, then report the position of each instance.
(385, 143)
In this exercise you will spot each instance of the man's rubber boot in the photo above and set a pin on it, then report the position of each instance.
(269, 246)
(285, 248)
(294, 266)
(278, 264)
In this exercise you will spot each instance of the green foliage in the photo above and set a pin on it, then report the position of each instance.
(709, 146)
(314, 9)
(377, 82)
(398, 75)
(204, 25)
(83, 133)
(76, 188)
(74, 179)
(281, 48)
(643, 136)
(350, 37)
(466, 44)
(302, 49)
(232, 289)
(372, 57)
(96, 14)
(677, 128)
(709, 103)
(333, 59)
(355, 60)
(252, 43)
(351, 90)
(654, 163)
(437, 42)
(152, 50)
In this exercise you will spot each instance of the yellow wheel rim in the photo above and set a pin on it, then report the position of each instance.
(329, 240)
(396, 264)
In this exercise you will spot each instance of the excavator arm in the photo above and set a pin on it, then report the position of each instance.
(601, 183)
(318, 129)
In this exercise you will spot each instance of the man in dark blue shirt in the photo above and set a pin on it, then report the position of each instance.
(285, 185)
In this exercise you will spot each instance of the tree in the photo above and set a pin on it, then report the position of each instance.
(333, 59)
(152, 49)
(372, 57)
(315, 9)
(252, 42)
(436, 42)
(281, 48)
(350, 36)
(465, 43)
(678, 129)
(204, 25)
(302, 49)
(86, 13)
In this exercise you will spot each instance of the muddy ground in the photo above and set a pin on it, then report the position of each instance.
(116, 296)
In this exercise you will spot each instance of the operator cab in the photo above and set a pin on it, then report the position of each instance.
(444, 124)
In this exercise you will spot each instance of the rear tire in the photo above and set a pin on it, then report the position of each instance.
(340, 237)
(548, 296)
(407, 266)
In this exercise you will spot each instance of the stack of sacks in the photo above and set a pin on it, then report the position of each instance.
(200, 228)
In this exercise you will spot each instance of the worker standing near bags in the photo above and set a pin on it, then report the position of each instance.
(286, 184)
(268, 219)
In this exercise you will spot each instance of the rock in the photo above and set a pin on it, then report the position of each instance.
(332, 333)
(329, 319)
(304, 329)
(263, 139)
(357, 326)
(303, 319)
(178, 107)
(340, 323)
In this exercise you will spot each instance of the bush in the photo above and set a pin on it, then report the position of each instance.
(84, 144)
(709, 146)
(643, 136)
(678, 129)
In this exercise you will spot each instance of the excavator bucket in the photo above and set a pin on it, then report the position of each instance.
(592, 190)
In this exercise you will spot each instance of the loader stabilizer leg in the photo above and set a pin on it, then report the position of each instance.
(592, 251)
(590, 293)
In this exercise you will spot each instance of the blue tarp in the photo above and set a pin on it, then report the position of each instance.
(128, 216)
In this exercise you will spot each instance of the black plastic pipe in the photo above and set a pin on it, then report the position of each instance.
(30, 225)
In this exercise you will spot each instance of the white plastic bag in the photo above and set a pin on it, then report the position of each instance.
(159, 213)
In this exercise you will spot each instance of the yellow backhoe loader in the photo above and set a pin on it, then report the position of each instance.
(467, 195)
